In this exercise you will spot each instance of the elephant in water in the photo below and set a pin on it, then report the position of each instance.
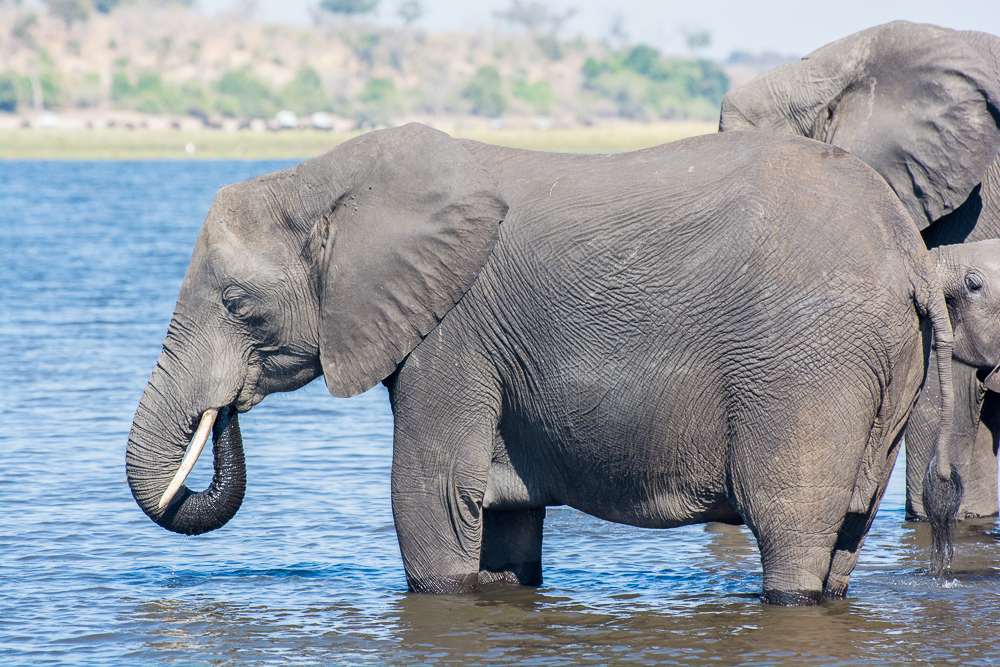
(725, 328)
(920, 104)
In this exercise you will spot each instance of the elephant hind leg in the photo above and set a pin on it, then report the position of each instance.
(792, 476)
(855, 528)
(797, 528)
(512, 547)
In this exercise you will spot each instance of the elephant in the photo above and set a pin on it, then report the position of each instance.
(678, 335)
(968, 272)
(920, 104)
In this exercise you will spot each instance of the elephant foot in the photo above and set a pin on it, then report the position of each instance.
(443, 584)
(792, 598)
(835, 593)
(517, 574)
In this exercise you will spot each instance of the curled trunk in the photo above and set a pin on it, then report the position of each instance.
(153, 458)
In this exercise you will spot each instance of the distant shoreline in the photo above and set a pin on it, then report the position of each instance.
(246, 144)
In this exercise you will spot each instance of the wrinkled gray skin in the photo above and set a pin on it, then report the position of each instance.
(920, 104)
(726, 328)
(970, 277)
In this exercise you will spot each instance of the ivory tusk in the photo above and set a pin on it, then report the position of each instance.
(191, 457)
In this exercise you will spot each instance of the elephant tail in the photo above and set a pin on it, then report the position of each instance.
(942, 488)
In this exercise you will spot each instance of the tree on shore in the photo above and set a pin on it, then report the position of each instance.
(485, 91)
(349, 7)
(69, 10)
(534, 16)
(410, 11)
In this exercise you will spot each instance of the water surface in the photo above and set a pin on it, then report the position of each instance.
(308, 572)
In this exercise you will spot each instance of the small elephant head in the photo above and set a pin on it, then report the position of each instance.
(918, 103)
(970, 277)
(339, 266)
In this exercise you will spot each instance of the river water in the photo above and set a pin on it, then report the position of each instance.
(308, 572)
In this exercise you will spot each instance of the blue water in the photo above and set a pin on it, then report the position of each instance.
(308, 572)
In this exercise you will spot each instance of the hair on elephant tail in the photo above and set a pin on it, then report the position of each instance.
(941, 498)
(942, 488)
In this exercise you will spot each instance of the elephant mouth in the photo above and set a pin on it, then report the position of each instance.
(992, 380)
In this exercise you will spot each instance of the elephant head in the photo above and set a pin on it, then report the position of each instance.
(970, 277)
(339, 267)
(918, 103)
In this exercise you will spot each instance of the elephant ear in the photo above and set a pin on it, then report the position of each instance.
(916, 102)
(415, 219)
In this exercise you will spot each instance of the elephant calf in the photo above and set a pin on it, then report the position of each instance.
(725, 328)
(970, 277)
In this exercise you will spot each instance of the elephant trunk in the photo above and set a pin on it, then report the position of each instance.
(943, 488)
(155, 453)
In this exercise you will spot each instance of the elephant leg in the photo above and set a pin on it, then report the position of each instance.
(512, 547)
(980, 469)
(442, 445)
(795, 527)
(973, 444)
(794, 477)
(795, 562)
(854, 530)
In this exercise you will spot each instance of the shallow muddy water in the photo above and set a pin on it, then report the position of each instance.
(308, 572)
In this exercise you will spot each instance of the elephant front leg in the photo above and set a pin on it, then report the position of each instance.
(512, 547)
(441, 452)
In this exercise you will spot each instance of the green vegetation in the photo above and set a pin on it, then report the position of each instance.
(410, 11)
(15, 91)
(150, 94)
(646, 85)
(240, 93)
(22, 28)
(105, 6)
(539, 95)
(69, 10)
(363, 46)
(486, 93)
(384, 73)
(349, 7)
(378, 101)
(305, 93)
(142, 144)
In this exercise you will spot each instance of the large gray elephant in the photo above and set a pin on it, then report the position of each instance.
(726, 328)
(920, 104)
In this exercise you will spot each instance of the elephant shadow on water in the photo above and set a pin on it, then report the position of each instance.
(727, 328)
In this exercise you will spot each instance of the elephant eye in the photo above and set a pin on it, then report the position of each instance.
(974, 282)
(236, 301)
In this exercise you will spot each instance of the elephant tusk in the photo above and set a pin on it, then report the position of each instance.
(191, 457)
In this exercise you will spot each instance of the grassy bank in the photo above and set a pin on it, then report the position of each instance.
(245, 144)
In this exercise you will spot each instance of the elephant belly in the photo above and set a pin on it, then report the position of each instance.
(656, 464)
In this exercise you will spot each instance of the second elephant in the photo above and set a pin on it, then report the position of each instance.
(920, 104)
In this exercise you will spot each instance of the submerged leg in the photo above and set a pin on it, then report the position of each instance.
(512, 547)
(793, 477)
(442, 445)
